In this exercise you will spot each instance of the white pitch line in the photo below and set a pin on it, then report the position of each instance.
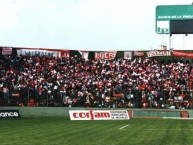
(177, 118)
(123, 126)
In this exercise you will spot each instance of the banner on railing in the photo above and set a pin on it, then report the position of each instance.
(138, 53)
(6, 51)
(84, 54)
(105, 55)
(182, 54)
(127, 55)
(155, 53)
(65, 53)
(43, 52)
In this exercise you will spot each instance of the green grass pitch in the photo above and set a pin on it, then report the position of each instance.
(62, 131)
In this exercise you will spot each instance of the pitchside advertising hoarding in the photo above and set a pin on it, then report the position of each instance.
(9, 114)
(99, 114)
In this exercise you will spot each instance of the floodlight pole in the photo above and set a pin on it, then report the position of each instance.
(170, 49)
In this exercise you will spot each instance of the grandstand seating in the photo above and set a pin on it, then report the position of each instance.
(76, 82)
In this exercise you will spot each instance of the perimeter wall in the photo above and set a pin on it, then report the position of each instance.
(63, 111)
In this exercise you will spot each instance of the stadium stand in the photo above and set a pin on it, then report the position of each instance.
(76, 82)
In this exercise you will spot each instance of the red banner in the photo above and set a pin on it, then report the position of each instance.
(6, 51)
(182, 54)
(65, 53)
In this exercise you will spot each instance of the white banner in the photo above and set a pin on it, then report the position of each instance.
(158, 53)
(127, 55)
(84, 54)
(99, 115)
(178, 99)
(38, 52)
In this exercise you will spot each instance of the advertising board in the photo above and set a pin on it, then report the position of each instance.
(99, 115)
(9, 114)
(166, 13)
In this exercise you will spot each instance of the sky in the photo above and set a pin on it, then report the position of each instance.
(93, 25)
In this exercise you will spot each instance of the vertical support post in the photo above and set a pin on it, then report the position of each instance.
(170, 36)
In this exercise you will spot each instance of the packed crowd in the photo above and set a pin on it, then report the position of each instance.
(76, 82)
